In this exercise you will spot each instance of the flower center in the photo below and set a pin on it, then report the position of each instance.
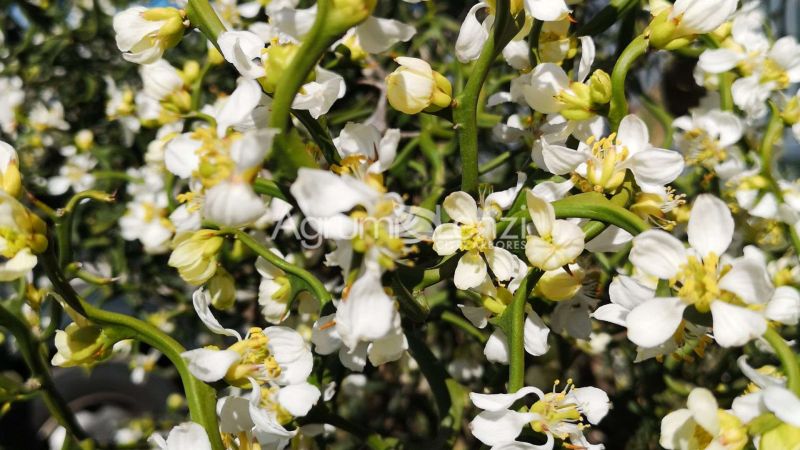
(602, 170)
(703, 149)
(473, 237)
(555, 410)
(697, 281)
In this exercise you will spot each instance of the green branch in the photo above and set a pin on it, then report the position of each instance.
(39, 367)
(200, 396)
(619, 103)
(202, 15)
(312, 283)
(788, 359)
(465, 111)
(314, 45)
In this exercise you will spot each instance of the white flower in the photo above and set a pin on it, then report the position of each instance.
(473, 232)
(693, 17)
(275, 354)
(160, 79)
(771, 396)
(557, 242)
(701, 279)
(273, 291)
(373, 35)
(702, 417)
(75, 174)
(547, 10)
(186, 436)
(473, 34)
(243, 49)
(319, 95)
(12, 96)
(604, 162)
(705, 136)
(364, 144)
(558, 414)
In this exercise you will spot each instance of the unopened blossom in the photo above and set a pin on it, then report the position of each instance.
(195, 255)
(10, 178)
(22, 237)
(414, 87)
(143, 34)
(676, 26)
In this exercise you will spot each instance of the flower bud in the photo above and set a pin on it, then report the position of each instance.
(143, 34)
(600, 87)
(676, 26)
(415, 87)
(190, 72)
(82, 345)
(558, 285)
(195, 256)
(577, 102)
(10, 178)
(791, 112)
(222, 289)
(84, 140)
(345, 14)
(276, 60)
(23, 235)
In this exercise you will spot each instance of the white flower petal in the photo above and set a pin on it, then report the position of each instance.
(784, 307)
(496, 348)
(209, 365)
(784, 404)
(446, 239)
(710, 225)
(461, 208)
(470, 271)
(202, 301)
(298, 399)
(499, 427)
(535, 334)
(655, 321)
(658, 253)
(499, 402)
(749, 280)
(735, 326)
(703, 405)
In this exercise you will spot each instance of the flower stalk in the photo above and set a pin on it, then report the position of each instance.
(619, 103)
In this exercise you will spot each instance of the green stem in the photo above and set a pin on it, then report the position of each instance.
(202, 15)
(39, 367)
(200, 397)
(772, 135)
(789, 363)
(63, 222)
(465, 111)
(619, 103)
(454, 319)
(314, 45)
(515, 313)
(312, 283)
(725, 91)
